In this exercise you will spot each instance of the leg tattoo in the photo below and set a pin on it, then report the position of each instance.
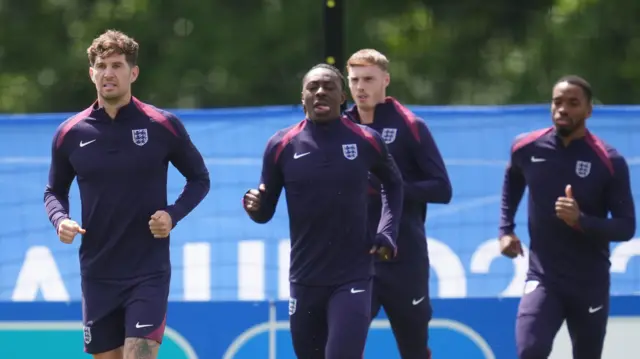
(140, 348)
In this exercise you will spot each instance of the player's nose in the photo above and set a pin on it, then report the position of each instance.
(109, 73)
(321, 94)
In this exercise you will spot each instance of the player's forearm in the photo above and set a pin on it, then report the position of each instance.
(429, 191)
(193, 193)
(512, 192)
(436, 188)
(608, 229)
(57, 207)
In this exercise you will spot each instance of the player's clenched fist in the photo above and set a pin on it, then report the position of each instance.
(252, 198)
(160, 224)
(511, 246)
(68, 229)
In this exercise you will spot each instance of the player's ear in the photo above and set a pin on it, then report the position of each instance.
(387, 79)
(92, 75)
(343, 97)
(135, 71)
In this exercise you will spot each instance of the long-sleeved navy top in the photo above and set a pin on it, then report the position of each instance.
(424, 173)
(599, 177)
(121, 169)
(324, 169)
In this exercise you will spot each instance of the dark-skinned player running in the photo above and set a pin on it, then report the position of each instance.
(323, 163)
(579, 202)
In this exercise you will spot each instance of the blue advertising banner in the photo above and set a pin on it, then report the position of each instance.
(218, 254)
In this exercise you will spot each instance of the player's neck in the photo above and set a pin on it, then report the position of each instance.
(112, 108)
(324, 121)
(366, 117)
(575, 135)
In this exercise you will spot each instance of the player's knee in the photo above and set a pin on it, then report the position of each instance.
(412, 338)
(305, 349)
(311, 353)
(308, 344)
(589, 347)
(347, 340)
(415, 351)
(111, 354)
(534, 350)
(346, 351)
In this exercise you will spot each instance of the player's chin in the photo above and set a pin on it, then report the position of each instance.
(110, 95)
(565, 122)
(364, 104)
(564, 130)
(323, 115)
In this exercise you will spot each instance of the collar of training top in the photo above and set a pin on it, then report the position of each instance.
(125, 112)
(388, 106)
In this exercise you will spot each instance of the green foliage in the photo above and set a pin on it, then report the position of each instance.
(248, 52)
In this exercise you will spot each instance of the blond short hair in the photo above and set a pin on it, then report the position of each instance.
(368, 57)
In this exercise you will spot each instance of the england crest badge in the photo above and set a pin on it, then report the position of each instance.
(583, 168)
(389, 135)
(350, 151)
(140, 136)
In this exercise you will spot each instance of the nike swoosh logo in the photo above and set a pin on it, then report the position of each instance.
(417, 301)
(138, 325)
(82, 144)
(593, 310)
(298, 155)
(536, 159)
(354, 291)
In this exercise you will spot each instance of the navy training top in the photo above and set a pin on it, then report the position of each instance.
(599, 177)
(324, 168)
(121, 168)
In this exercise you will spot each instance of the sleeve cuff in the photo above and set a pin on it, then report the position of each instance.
(57, 219)
(505, 231)
(580, 225)
(171, 210)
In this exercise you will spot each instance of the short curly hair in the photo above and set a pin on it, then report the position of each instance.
(113, 42)
(327, 67)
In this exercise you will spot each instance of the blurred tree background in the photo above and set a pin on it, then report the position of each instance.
(221, 53)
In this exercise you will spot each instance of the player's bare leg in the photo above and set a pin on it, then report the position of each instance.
(140, 348)
(111, 354)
